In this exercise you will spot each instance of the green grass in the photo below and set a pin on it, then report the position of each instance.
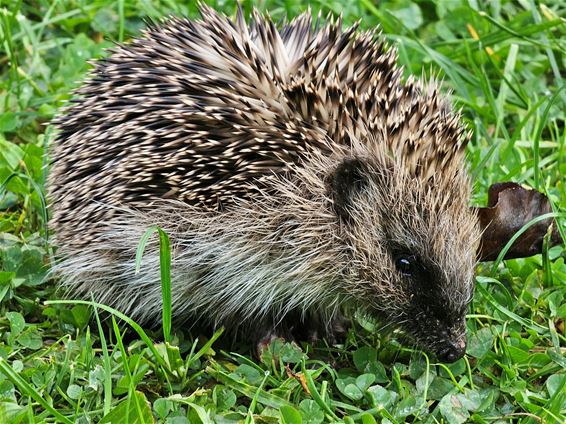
(68, 362)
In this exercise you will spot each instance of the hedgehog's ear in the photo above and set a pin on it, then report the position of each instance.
(347, 179)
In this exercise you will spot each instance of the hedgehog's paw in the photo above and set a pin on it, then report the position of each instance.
(272, 334)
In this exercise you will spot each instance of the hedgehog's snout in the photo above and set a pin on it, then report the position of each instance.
(449, 343)
(452, 350)
(444, 338)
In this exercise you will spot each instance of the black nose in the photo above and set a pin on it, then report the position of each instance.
(452, 351)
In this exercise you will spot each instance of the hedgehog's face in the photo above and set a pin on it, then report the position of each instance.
(413, 254)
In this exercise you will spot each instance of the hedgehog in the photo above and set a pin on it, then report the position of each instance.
(297, 172)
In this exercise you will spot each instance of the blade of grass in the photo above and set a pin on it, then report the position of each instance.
(128, 373)
(253, 403)
(106, 365)
(538, 133)
(121, 19)
(165, 270)
(315, 394)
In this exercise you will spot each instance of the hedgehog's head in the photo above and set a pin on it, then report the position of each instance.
(413, 243)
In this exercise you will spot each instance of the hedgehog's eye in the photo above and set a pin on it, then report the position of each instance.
(406, 264)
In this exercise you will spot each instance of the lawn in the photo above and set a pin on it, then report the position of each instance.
(505, 63)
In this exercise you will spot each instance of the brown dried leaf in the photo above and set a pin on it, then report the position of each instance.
(299, 377)
(510, 206)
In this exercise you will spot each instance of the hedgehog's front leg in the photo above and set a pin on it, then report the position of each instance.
(314, 327)
(309, 327)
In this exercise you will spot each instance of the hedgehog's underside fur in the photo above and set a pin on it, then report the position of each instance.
(293, 169)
